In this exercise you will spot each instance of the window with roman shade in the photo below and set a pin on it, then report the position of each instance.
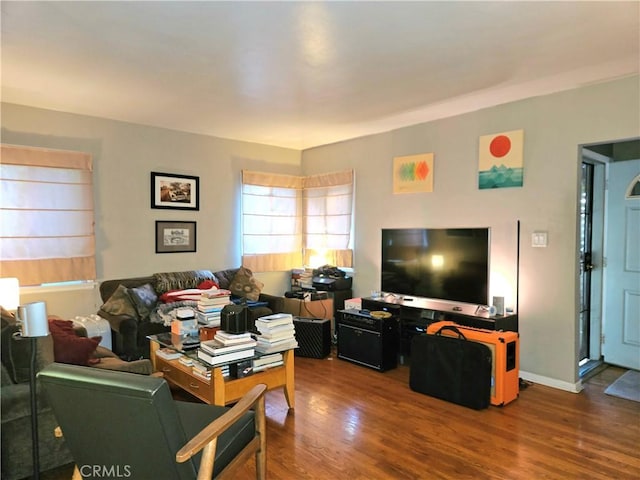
(271, 221)
(47, 219)
(327, 212)
(290, 221)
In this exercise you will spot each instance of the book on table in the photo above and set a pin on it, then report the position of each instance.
(279, 346)
(266, 366)
(200, 368)
(266, 359)
(275, 319)
(213, 304)
(208, 320)
(278, 334)
(232, 338)
(187, 361)
(216, 347)
(226, 357)
(168, 353)
(210, 309)
(268, 329)
(202, 376)
(271, 340)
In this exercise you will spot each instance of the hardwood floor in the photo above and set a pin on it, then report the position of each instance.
(354, 423)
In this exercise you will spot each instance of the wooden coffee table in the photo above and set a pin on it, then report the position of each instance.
(221, 391)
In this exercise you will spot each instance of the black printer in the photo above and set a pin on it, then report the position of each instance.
(328, 278)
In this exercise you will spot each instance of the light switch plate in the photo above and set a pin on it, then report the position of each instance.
(539, 239)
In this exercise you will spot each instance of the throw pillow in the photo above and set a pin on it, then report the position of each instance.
(244, 284)
(120, 303)
(144, 299)
(70, 348)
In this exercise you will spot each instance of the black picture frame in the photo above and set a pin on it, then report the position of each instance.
(175, 237)
(173, 191)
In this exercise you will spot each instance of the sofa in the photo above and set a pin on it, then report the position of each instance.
(15, 395)
(131, 305)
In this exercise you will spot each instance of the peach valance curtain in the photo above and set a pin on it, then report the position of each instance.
(288, 220)
(47, 224)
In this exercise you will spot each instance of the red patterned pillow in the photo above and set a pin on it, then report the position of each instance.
(70, 348)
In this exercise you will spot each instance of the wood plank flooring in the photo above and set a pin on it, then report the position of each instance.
(354, 423)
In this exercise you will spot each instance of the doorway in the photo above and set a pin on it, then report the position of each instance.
(601, 234)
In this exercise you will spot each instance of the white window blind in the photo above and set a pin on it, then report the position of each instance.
(287, 220)
(271, 221)
(47, 221)
(327, 214)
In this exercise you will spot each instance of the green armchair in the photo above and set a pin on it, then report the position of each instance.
(15, 397)
(120, 424)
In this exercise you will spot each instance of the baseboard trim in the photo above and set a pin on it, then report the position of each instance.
(552, 382)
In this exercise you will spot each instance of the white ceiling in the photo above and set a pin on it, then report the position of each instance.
(302, 74)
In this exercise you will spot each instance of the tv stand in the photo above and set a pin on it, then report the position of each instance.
(415, 314)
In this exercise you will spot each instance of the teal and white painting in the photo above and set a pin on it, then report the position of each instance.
(500, 160)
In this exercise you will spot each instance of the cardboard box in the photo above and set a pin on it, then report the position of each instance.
(309, 309)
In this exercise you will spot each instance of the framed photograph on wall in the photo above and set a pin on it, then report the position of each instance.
(174, 237)
(181, 192)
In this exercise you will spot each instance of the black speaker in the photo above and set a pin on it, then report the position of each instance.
(234, 318)
(313, 336)
(368, 340)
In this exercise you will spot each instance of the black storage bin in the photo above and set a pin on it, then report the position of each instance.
(452, 369)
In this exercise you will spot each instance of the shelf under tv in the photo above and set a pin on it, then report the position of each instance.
(417, 313)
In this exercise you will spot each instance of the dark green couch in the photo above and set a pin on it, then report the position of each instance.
(130, 330)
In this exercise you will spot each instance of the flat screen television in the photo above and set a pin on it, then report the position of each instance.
(439, 263)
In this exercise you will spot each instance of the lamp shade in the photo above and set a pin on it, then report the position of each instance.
(33, 317)
(9, 293)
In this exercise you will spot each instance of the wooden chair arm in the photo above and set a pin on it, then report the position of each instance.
(209, 435)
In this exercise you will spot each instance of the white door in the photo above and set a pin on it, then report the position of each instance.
(622, 273)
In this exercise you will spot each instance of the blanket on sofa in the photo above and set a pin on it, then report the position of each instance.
(165, 313)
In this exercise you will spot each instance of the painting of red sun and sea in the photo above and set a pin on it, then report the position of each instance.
(500, 160)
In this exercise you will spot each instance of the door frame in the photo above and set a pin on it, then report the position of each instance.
(598, 249)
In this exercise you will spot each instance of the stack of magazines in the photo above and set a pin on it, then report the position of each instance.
(168, 353)
(227, 347)
(210, 304)
(277, 333)
(201, 371)
(267, 361)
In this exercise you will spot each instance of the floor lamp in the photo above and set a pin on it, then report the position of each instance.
(33, 317)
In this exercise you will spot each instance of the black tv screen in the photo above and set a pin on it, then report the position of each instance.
(439, 263)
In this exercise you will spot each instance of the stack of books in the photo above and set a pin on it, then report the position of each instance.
(277, 333)
(168, 353)
(210, 304)
(227, 347)
(304, 277)
(267, 361)
(201, 371)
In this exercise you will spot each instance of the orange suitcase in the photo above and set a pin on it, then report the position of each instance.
(505, 353)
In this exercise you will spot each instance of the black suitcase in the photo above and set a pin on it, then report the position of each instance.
(452, 369)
